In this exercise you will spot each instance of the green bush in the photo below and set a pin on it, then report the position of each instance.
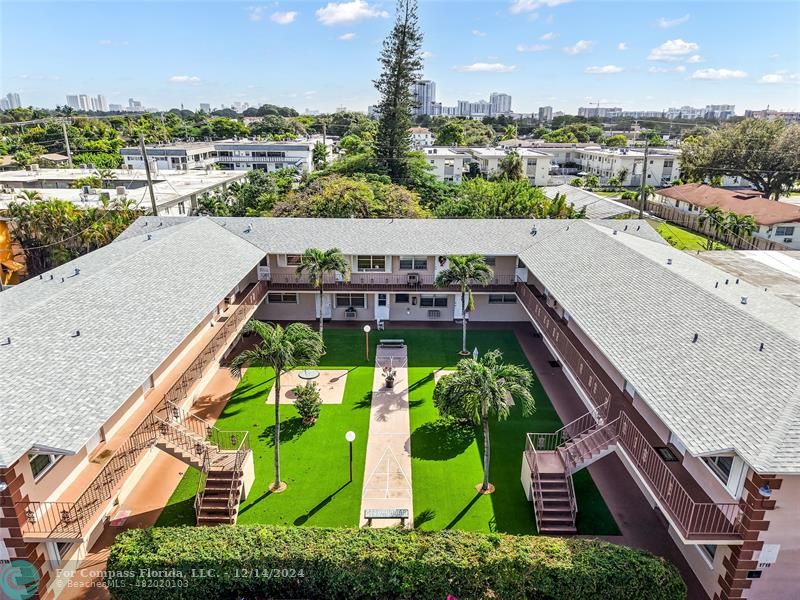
(305, 562)
(307, 401)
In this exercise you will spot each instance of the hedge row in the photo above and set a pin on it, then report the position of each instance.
(306, 562)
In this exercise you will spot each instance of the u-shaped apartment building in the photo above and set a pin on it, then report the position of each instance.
(689, 371)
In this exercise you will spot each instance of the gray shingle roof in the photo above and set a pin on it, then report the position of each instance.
(597, 207)
(720, 393)
(134, 301)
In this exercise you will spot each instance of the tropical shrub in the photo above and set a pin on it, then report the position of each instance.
(307, 401)
(263, 561)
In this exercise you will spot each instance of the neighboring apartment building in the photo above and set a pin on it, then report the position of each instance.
(786, 116)
(536, 165)
(627, 165)
(545, 114)
(238, 155)
(778, 222)
(423, 93)
(691, 380)
(421, 137)
(448, 164)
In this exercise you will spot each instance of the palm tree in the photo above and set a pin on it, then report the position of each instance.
(510, 132)
(742, 226)
(591, 181)
(213, 205)
(717, 218)
(106, 176)
(282, 349)
(480, 389)
(29, 195)
(318, 263)
(464, 271)
(511, 166)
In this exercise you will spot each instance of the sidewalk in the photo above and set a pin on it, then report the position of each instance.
(387, 471)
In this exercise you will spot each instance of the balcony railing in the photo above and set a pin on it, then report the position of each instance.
(578, 365)
(406, 282)
(67, 520)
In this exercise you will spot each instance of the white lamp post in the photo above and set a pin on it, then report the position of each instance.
(350, 436)
(367, 329)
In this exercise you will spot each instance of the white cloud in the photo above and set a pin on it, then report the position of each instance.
(105, 42)
(780, 77)
(665, 23)
(283, 18)
(673, 50)
(478, 33)
(427, 54)
(310, 93)
(719, 74)
(337, 13)
(482, 67)
(580, 47)
(532, 47)
(523, 6)
(550, 35)
(694, 59)
(346, 37)
(622, 46)
(255, 13)
(184, 79)
(678, 69)
(605, 70)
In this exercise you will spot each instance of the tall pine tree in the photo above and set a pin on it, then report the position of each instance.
(401, 63)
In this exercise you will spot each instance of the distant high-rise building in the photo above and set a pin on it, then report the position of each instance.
(500, 103)
(72, 101)
(12, 101)
(101, 103)
(424, 96)
(205, 107)
(462, 108)
(4, 104)
(134, 105)
(722, 112)
(341, 109)
(545, 114)
(601, 112)
(115, 107)
(84, 102)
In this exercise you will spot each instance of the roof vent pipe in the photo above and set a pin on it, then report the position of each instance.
(694, 339)
(77, 271)
(149, 237)
(7, 341)
(716, 284)
(744, 300)
(669, 261)
(76, 333)
(761, 347)
(615, 232)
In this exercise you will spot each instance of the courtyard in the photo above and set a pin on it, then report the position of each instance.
(446, 458)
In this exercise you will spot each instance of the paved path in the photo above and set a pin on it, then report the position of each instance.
(387, 472)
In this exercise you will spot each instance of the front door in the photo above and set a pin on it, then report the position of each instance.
(327, 310)
(381, 307)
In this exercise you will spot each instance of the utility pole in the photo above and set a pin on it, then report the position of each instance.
(325, 133)
(66, 143)
(644, 179)
(147, 174)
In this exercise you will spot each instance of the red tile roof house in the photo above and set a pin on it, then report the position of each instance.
(778, 222)
(694, 391)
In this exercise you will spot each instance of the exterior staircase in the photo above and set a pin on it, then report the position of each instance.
(219, 456)
(552, 458)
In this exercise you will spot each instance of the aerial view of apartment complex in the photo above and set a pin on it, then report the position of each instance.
(524, 324)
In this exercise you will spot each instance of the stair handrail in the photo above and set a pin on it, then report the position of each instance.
(596, 416)
(201, 483)
(241, 455)
(221, 439)
(573, 501)
(536, 482)
(574, 453)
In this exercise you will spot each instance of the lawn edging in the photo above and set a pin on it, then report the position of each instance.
(285, 562)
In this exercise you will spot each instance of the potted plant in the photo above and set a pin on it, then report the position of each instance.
(389, 375)
(307, 401)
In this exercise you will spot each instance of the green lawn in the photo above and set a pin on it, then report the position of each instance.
(683, 239)
(446, 460)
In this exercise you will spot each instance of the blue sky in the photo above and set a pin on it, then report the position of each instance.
(321, 55)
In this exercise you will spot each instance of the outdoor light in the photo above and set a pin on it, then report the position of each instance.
(475, 353)
(367, 329)
(765, 491)
(350, 436)
(4, 485)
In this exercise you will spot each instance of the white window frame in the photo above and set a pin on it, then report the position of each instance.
(433, 298)
(504, 298)
(349, 304)
(709, 560)
(294, 262)
(54, 458)
(371, 258)
(283, 298)
(414, 263)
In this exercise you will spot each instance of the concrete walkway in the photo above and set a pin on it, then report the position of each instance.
(387, 472)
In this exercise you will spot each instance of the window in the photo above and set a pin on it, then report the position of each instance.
(62, 548)
(787, 231)
(348, 300)
(490, 260)
(371, 263)
(502, 299)
(720, 465)
(413, 263)
(276, 154)
(293, 260)
(708, 551)
(41, 463)
(181, 208)
(432, 300)
(401, 298)
(278, 298)
(667, 164)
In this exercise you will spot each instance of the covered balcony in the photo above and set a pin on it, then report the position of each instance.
(379, 281)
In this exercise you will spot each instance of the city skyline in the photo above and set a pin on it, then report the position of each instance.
(558, 53)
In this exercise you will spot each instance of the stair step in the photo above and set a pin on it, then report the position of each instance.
(558, 530)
